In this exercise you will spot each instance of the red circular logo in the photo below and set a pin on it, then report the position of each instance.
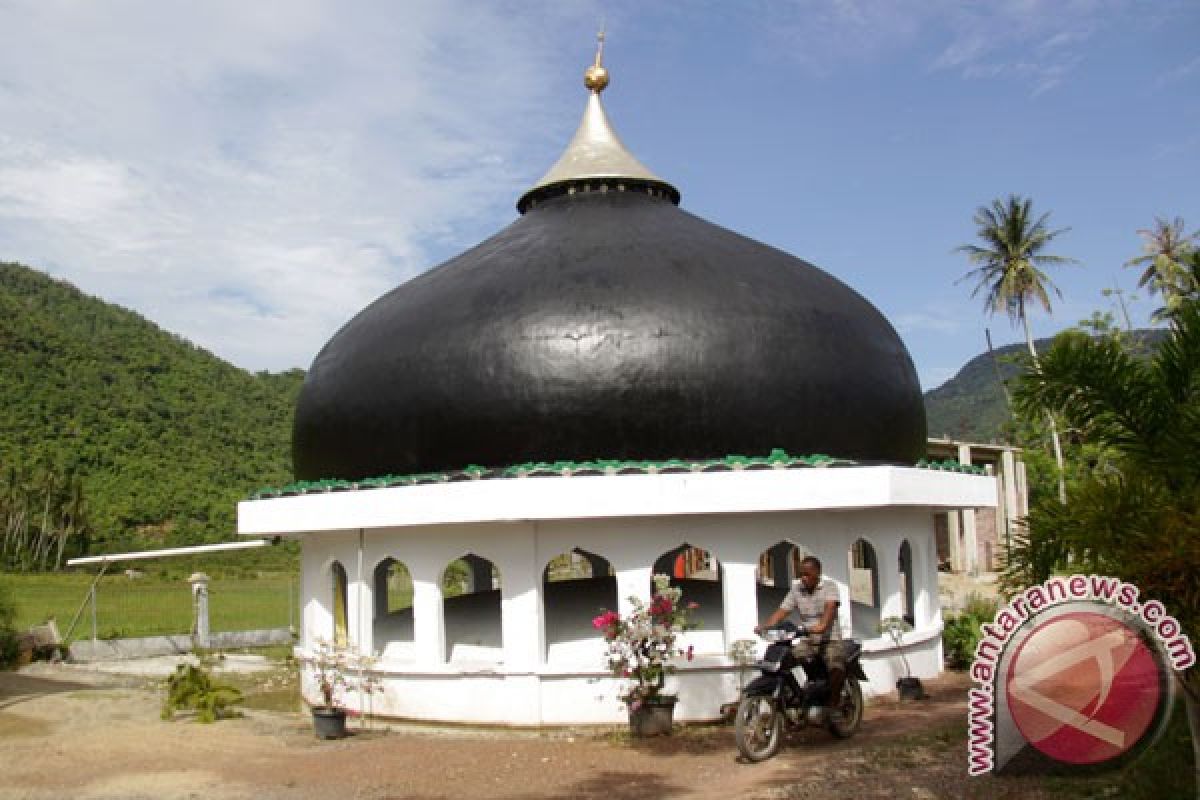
(1083, 688)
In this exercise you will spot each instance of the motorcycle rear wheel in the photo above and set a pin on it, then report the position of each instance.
(851, 706)
(758, 728)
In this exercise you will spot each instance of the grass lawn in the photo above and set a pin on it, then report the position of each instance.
(150, 605)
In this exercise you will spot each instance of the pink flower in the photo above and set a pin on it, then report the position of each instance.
(692, 606)
(606, 620)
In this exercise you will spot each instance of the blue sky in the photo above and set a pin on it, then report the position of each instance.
(250, 175)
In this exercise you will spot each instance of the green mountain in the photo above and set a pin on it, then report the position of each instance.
(120, 433)
(971, 405)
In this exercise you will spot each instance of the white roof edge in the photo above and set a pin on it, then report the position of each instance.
(600, 497)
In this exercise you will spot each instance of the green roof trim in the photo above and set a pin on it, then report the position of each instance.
(776, 459)
(950, 465)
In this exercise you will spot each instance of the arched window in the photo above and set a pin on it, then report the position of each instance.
(341, 624)
(864, 590)
(471, 588)
(576, 586)
(393, 592)
(778, 567)
(698, 574)
(907, 592)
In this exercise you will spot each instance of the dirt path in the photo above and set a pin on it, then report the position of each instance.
(91, 737)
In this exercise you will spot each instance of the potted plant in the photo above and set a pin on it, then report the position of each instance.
(337, 670)
(641, 648)
(908, 688)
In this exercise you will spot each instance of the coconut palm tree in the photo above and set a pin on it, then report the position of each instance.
(1164, 249)
(1009, 273)
(1136, 515)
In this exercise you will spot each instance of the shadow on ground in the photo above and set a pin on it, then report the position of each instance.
(16, 688)
(617, 785)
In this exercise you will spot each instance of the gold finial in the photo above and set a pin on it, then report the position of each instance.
(595, 77)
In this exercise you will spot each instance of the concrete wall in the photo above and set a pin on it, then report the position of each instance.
(86, 651)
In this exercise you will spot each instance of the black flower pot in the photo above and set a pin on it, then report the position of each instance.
(329, 723)
(910, 689)
(653, 718)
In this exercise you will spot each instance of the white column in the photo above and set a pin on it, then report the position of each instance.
(1008, 468)
(632, 582)
(739, 593)
(521, 609)
(360, 606)
(970, 544)
(429, 634)
(1022, 490)
(954, 540)
(891, 604)
(363, 615)
(925, 581)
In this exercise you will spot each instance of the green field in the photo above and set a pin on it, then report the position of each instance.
(149, 605)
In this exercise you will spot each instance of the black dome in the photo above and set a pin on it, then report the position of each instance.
(608, 325)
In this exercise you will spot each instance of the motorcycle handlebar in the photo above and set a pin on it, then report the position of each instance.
(787, 628)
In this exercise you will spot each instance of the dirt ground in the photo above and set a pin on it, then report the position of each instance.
(67, 733)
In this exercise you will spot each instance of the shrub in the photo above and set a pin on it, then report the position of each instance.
(961, 632)
(8, 632)
(190, 688)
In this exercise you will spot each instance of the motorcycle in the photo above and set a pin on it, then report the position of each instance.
(776, 699)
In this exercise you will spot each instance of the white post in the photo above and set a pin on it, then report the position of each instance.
(429, 635)
(200, 630)
(740, 596)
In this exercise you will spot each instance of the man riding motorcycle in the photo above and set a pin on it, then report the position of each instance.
(816, 602)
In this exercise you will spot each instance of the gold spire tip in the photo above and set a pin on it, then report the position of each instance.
(595, 77)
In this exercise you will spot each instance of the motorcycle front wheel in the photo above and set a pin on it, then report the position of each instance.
(758, 728)
(851, 706)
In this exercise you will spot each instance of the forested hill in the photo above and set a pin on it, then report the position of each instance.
(971, 406)
(158, 438)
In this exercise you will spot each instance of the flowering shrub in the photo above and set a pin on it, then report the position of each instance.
(642, 646)
(338, 670)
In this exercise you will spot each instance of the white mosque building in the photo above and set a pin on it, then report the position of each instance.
(601, 357)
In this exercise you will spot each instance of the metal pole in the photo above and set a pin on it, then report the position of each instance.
(93, 592)
(86, 599)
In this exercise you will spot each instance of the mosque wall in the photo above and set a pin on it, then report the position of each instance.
(514, 660)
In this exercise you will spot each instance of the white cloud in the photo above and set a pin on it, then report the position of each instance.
(922, 321)
(1181, 72)
(1036, 41)
(250, 175)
